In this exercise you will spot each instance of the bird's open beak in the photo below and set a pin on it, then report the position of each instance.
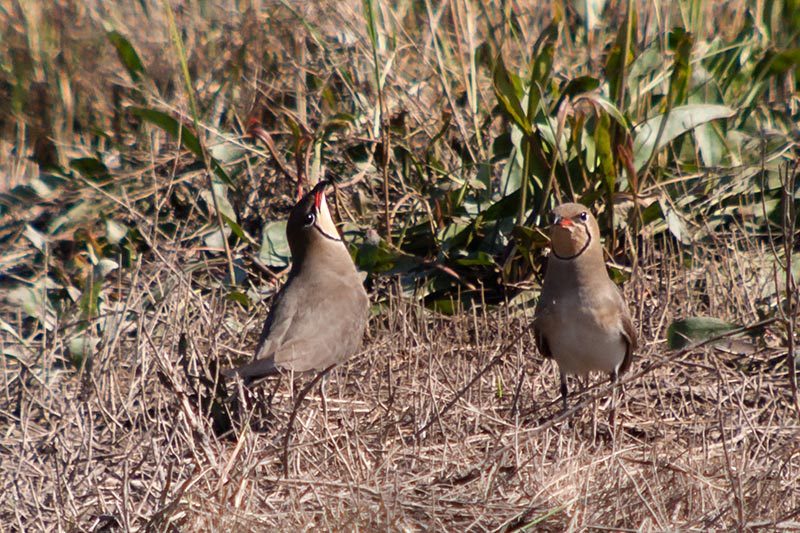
(324, 220)
(561, 221)
(319, 193)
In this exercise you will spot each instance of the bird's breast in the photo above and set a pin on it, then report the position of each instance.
(585, 338)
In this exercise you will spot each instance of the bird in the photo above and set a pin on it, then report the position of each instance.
(581, 319)
(318, 318)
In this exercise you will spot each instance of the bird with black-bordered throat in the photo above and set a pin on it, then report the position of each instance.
(318, 317)
(581, 320)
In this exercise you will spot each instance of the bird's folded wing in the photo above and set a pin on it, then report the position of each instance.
(539, 325)
(253, 370)
(629, 336)
(279, 322)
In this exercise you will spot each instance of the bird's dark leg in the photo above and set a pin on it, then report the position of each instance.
(612, 414)
(323, 397)
(564, 390)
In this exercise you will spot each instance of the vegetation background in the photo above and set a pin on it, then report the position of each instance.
(150, 152)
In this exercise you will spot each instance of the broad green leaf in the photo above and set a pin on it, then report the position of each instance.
(239, 297)
(681, 120)
(710, 144)
(577, 86)
(215, 239)
(115, 231)
(82, 347)
(506, 92)
(446, 306)
(127, 54)
(529, 238)
(609, 108)
(275, 250)
(674, 223)
(476, 259)
(34, 303)
(91, 168)
(106, 266)
(225, 207)
(686, 331)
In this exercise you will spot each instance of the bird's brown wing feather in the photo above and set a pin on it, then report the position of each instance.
(257, 368)
(540, 316)
(279, 321)
(330, 331)
(276, 326)
(629, 336)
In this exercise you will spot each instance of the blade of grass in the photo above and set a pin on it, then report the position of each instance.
(371, 17)
(187, 80)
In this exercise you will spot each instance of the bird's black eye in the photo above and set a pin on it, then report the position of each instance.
(310, 219)
(584, 216)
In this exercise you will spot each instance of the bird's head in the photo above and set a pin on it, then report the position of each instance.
(573, 230)
(310, 223)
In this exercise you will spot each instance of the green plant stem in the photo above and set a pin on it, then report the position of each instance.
(383, 120)
(187, 80)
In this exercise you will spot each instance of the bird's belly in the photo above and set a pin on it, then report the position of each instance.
(581, 346)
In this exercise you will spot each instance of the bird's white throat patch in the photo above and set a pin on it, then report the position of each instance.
(324, 222)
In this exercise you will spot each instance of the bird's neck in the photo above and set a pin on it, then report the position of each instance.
(325, 255)
(585, 268)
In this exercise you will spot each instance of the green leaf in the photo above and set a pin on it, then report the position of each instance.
(681, 68)
(508, 97)
(771, 64)
(236, 296)
(215, 239)
(90, 299)
(541, 67)
(115, 231)
(620, 55)
(236, 229)
(225, 207)
(674, 222)
(91, 168)
(605, 155)
(681, 119)
(37, 238)
(81, 348)
(128, 56)
(275, 250)
(710, 143)
(476, 259)
(34, 302)
(576, 86)
(529, 238)
(187, 138)
(686, 331)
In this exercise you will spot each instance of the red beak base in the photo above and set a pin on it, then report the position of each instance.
(564, 222)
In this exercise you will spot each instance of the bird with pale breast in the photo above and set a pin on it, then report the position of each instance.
(318, 317)
(581, 319)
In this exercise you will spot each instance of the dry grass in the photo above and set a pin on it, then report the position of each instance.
(706, 441)
(701, 440)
